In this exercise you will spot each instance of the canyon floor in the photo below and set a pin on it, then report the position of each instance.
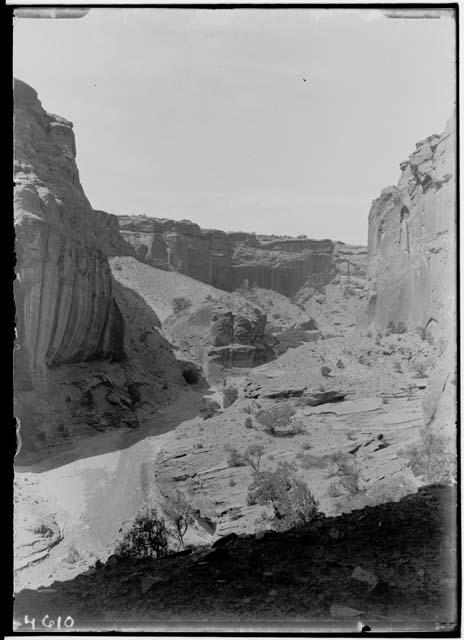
(72, 506)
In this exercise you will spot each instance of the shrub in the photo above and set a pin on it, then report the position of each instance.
(325, 371)
(229, 396)
(345, 467)
(208, 408)
(397, 366)
(419, 365)
(179, 304)
(334, 490)
(306, 444)
(340, 364)
(289, 496)
(248, 422)
(277, 416)
(180, 513)
(235, 458)
(310, 461)
(191, 373)
(253, 454)
(433, 458)
(147, 537)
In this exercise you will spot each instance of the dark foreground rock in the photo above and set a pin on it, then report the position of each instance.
(308, 576)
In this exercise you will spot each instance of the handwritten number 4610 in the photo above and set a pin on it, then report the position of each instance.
(47, 622)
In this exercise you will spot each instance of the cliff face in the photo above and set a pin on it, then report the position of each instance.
(412, 241)
(67, 311)
(228, 260)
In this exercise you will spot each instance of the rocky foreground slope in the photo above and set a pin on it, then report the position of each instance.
(79, 365)
(389, 568)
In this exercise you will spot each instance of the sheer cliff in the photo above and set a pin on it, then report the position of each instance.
(412, 241)
(229, 260)
(68, 309)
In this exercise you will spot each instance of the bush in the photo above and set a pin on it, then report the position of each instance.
(179, 304)
(419, 365)
(345, 467)
(306, 444)
(277, 416)
(248, 422)
(229, 396)
(325, 371)
(433, 458)
(235, 458)
(208, 408)
(191, 373)
(180, 513)
(290, 498)
(147, 537)
(310, 461)
(340, 364)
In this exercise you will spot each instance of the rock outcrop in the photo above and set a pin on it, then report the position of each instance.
(411, 247)
(67, 309)
(219, 335)
(229, 260)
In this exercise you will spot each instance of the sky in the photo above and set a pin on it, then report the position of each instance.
(287, 122)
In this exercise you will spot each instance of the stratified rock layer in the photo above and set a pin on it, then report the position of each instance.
(67, 308)
(412, 241)
(229, 260)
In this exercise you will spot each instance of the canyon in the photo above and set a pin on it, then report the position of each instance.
(151, 355)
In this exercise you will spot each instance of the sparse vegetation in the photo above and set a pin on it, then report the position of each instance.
(229, 396)
(325, 371)
(433, 458)
(310, 461)
(277, 416)
(419, 365)
(180, 513)
(235, 458)
(179, 304)
(147, 537)
(208, 408)
(292, 502)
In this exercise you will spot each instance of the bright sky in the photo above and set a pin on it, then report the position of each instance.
(286, 122)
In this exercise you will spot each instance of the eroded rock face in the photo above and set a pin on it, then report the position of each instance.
(229, 260)
(219, 335)
(67, 309)
(412, 241)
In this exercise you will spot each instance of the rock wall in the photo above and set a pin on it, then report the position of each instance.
(228, 260)
(411, 248)
(66, 308)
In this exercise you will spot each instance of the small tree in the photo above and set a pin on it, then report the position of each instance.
(180, 513)
(289, 496)
(253, 454)
(147, 537)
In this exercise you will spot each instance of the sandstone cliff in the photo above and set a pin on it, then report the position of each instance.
(412, 241)
(229, 260)
(67, 309)
(412, 264)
